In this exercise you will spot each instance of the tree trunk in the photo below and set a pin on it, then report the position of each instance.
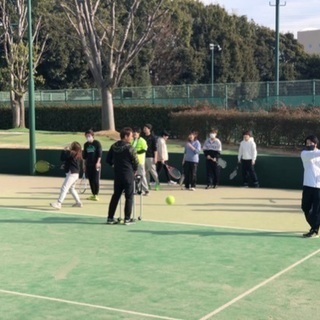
(15, 110)
(107, 121)
(20, 100)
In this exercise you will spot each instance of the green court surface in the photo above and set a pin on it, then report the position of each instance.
(149, 270)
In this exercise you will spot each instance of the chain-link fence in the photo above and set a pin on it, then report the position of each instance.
(248, 95)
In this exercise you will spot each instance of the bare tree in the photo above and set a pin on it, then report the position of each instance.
(112, 33)
(14, 24)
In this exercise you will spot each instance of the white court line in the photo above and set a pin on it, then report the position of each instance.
(85, 304)
(156, 221)
(263, 283)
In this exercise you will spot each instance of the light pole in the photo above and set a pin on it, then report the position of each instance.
(32, 147)
(212, 46)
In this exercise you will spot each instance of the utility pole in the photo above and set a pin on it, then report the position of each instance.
(277, 5)
(32, 127)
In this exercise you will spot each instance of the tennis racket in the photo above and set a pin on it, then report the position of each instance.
(173, 172)
(234, 173)
(221, 163)
(43, 166)
(83, 184)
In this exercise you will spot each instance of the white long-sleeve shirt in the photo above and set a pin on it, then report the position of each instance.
(162, 150)
(247, 150)
(311, 165)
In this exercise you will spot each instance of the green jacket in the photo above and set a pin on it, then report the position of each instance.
(140, 145)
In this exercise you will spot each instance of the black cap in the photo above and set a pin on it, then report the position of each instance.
(165, 133)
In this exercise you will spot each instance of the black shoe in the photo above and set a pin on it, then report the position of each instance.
(111, 221)
(129, 221)
(311, 234)
(214, 187)
(207, 187)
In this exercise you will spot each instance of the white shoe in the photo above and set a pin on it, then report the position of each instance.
(56, 205)
(192, 189)
(77, 204)
(152, 183)
(172, 182)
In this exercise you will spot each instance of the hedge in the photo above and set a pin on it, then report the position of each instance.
(279, 127)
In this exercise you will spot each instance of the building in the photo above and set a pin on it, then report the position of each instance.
(310, 39)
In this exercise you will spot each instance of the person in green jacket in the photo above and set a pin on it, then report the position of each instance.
(140, 145)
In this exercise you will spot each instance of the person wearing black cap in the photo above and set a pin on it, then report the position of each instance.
(310, 203)
(151, 155)
(163, 156)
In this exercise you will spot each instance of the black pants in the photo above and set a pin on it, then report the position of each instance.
(310, 205)
(190, 174)
(93, 175)
(160, 166)
(123, 184)
(213, 173)
(249, 172)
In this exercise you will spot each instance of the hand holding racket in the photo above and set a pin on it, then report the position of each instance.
(173, 172)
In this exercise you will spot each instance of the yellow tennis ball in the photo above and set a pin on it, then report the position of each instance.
(170, 200)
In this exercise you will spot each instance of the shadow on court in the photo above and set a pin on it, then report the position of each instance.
(220, 233)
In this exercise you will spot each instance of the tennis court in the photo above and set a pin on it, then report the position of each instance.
(229, 253)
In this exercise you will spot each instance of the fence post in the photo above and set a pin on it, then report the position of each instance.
(267, 93)
(153, 95)
(314, 92)
(188, 94)
(66, 95)
(226, 96)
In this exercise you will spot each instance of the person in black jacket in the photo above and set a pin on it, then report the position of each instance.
(92, 153)
(72, 157)
(123, 158)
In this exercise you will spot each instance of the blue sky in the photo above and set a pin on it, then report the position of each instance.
(296, 15)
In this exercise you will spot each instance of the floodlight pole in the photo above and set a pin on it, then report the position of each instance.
(32, 147)
(212, 46)
(277, 5)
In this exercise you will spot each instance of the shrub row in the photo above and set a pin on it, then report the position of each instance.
(280, 127)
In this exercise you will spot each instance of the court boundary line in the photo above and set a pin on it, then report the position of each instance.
(83, 304)
(258, 286)
(147, 220)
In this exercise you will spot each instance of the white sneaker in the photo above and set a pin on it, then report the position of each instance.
(56, 205)
(172, 182)
(192, 189)
(77, 204)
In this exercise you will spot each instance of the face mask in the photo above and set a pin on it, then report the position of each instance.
(310, 148)
(212, 135)
(90, 139)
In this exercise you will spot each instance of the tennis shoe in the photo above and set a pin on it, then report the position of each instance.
(172, 182)
(129, 221)
(146, 193)
(91, 197)
(112, 221)
(311, 234)
(157, 187)
(56, 205)
(192, 189)
(77, 205)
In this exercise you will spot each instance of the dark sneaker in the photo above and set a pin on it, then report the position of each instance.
(207, 187)
(128, 222)
(146, 193)
(111, 221)
(311, 234)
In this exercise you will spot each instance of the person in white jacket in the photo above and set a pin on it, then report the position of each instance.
(247, 156)
(163, 156)
(310, 203)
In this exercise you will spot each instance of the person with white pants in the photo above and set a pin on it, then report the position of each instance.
(72, 158)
